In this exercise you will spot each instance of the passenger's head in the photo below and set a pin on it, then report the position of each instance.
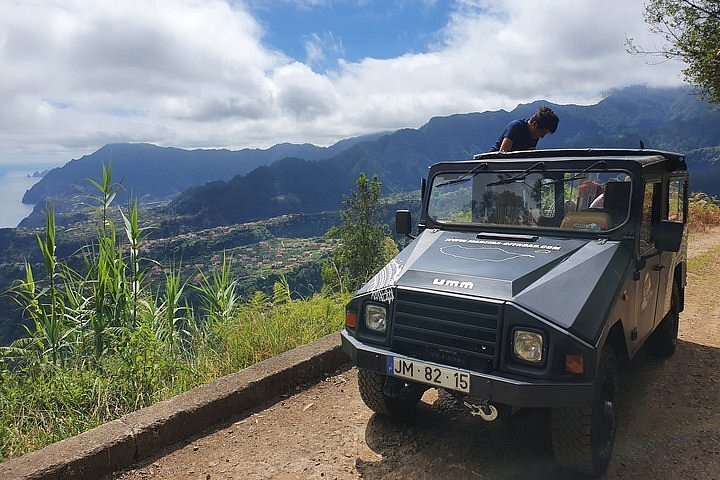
(544, 121)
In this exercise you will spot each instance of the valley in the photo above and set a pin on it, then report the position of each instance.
(260, 253)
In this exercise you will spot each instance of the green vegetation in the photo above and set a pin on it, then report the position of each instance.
(103, 338)
(704, 212)
(704, 268)
(290, 246)
(363, 249)
(41, 403)
(691, 33)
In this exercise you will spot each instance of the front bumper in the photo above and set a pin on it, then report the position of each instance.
(506, 389)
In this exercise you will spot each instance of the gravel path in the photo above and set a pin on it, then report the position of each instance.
(669, 425)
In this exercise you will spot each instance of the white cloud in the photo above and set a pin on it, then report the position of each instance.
(319, 46)
(78, 74)
(303, 93)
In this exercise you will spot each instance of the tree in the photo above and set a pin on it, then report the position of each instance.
(361, 252)
(691, 32)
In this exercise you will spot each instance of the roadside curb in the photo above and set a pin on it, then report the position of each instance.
(138, 435)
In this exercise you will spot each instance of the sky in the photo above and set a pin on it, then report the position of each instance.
(78, 74)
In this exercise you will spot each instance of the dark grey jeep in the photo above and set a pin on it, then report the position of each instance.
(533, 276)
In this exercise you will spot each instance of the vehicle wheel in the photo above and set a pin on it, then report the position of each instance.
(663, 341)
(583, 438)
(372, 392)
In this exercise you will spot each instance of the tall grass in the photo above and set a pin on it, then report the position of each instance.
(42, 403)
(102, 341)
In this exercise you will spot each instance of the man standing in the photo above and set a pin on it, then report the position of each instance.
(524, 134)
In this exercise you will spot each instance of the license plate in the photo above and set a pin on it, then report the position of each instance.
(429, 374)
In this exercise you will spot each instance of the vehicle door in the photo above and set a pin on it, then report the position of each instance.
(675, 201)
(649, 265)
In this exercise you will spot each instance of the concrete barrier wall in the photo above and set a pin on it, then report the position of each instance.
(118, 444)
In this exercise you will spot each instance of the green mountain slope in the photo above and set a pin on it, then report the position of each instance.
(157, 173)
(662, 119)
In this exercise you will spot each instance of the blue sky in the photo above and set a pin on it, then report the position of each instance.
(323, 33)
(78, 74)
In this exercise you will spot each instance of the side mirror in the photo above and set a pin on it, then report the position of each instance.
(668, 235)
(403, 222)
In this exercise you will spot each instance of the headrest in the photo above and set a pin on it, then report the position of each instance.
(589, 221)
(617, 196)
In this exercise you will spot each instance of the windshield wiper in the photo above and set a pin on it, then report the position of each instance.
(580, 174)
(463, 178)
(520, 176)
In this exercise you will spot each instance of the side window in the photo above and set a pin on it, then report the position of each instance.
(676, 200)
(650, 214)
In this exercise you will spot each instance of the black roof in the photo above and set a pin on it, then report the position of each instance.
(641, 156)
(580, 152)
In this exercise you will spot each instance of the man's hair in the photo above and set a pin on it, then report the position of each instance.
(546, 119)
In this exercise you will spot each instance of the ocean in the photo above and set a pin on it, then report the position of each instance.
(13, 184)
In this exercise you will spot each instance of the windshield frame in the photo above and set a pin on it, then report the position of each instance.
(559, 172)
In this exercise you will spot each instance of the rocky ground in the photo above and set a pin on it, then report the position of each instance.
(669, 425)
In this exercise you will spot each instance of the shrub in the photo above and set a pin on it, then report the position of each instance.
(704, 212)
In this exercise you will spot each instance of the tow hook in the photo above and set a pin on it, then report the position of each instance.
(487, 411)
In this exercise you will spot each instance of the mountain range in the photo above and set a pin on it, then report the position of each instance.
(222, 187)
(150, 173)
(661, 119)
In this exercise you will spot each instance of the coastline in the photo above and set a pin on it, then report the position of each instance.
(13, 184)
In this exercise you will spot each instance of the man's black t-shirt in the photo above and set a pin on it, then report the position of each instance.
(519, 133)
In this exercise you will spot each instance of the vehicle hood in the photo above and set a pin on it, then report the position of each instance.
(559, 279)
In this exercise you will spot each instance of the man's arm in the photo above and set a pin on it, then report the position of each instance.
(506, 145)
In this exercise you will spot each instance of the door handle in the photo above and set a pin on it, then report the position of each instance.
(658, 268)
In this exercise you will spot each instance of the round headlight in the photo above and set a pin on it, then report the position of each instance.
(376, 318)
(528, 346)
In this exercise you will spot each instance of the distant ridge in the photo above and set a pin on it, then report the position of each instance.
(221, 187)
(158, 173)
(664, 119)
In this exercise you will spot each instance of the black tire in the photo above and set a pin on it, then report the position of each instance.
(663, 341)
(583, 438)
(372, 385)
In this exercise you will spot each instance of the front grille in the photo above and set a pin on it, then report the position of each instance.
(449, 330)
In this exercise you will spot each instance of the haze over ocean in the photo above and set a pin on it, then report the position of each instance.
(13, 184)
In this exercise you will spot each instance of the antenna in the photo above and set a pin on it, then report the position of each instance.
(642, 145)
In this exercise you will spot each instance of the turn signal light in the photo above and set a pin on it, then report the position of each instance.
(574, 364)
(351, 319)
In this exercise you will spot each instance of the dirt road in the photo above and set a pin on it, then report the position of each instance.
(669, 425)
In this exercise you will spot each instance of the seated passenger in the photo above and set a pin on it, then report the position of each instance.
(598, 202)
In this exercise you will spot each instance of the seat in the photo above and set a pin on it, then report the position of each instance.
(617, 200)
(587, 221)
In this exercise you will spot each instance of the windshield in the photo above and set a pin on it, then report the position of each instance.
(574, 200)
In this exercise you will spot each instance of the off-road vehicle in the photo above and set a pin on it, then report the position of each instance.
(533, 276)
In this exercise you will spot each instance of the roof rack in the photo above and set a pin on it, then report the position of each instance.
(579, 152)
